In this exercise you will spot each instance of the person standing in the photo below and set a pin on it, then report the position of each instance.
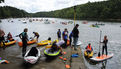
(65, 36)
(59, 34)
(75, 32)
(2, 39)
(24, 37)
(105, 41)
(36, 35)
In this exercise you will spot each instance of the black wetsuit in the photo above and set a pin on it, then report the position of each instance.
(105, 47)
(59, 35)
(24, 41)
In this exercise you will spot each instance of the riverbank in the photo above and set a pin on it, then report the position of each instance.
(74, 62)
(16, 60)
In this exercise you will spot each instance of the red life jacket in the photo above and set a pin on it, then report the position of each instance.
(89, 48)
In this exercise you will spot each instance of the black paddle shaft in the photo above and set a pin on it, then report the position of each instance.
(99, 43)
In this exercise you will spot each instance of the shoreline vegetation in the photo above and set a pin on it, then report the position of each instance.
(98, 11)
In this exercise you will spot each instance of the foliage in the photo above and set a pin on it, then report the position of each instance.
(97, 10)
(7, 12)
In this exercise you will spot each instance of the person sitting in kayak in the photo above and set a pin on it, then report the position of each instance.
(105, 41)
(89, 48)
(9, 37)
(55, 47)
(36, 35)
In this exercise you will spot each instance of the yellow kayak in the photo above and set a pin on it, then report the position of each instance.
(89, 55)
(8, 43)
(45, 42)
(48, 46)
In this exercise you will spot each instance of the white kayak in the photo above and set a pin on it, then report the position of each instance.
(78, 43)
(101, 58)
(32, 55)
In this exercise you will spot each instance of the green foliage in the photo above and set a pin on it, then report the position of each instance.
(7, 11)
(110, 9)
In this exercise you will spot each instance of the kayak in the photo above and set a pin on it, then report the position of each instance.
(32, 55)
(47, 53)
(56, 41)
(89, 55)
(48, 46)
(102, 58)
(78, 43)
(45, 42)
(94, 26)
(8, 43)
(29, 42)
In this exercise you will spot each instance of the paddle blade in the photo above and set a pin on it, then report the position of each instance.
(99, 54)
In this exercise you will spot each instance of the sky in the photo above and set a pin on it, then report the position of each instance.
(33, 6)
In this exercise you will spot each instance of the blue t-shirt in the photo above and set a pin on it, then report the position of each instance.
(65, 35)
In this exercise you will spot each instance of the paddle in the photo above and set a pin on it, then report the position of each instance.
(99, 43)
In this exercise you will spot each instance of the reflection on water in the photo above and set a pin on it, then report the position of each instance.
(103, 63)
(87, 35)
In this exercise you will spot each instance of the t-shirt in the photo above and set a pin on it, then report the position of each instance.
(59, 33)
(75, 32)
(65, 34)
(60, 43)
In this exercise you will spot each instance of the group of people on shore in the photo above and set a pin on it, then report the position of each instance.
(73, 34)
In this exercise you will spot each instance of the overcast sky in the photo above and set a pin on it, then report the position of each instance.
(32, 6)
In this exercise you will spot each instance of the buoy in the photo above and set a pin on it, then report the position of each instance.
(64, 53)
(67, 66)
(64, 59)
(61, 57)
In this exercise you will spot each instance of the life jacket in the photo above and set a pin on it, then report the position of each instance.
(65, 34)
(89, 48)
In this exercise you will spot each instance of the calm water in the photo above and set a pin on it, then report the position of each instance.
(87, 35)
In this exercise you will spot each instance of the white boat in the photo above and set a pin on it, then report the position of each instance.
(24, 22)
(101, 58)
(78, 43)
(32, 55)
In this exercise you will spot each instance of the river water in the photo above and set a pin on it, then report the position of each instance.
(87, 35)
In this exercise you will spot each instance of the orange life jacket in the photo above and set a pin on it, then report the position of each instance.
(89, 48)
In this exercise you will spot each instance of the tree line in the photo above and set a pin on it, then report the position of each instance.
(109, 9)
(12, 12)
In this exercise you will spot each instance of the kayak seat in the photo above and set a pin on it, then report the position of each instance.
(33, 52)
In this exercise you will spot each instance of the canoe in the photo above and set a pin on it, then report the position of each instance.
(32, 55)
(45, 42)
(47, 53)
(101, 58)
(8, 43)
(89, 55)
(29, 42)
